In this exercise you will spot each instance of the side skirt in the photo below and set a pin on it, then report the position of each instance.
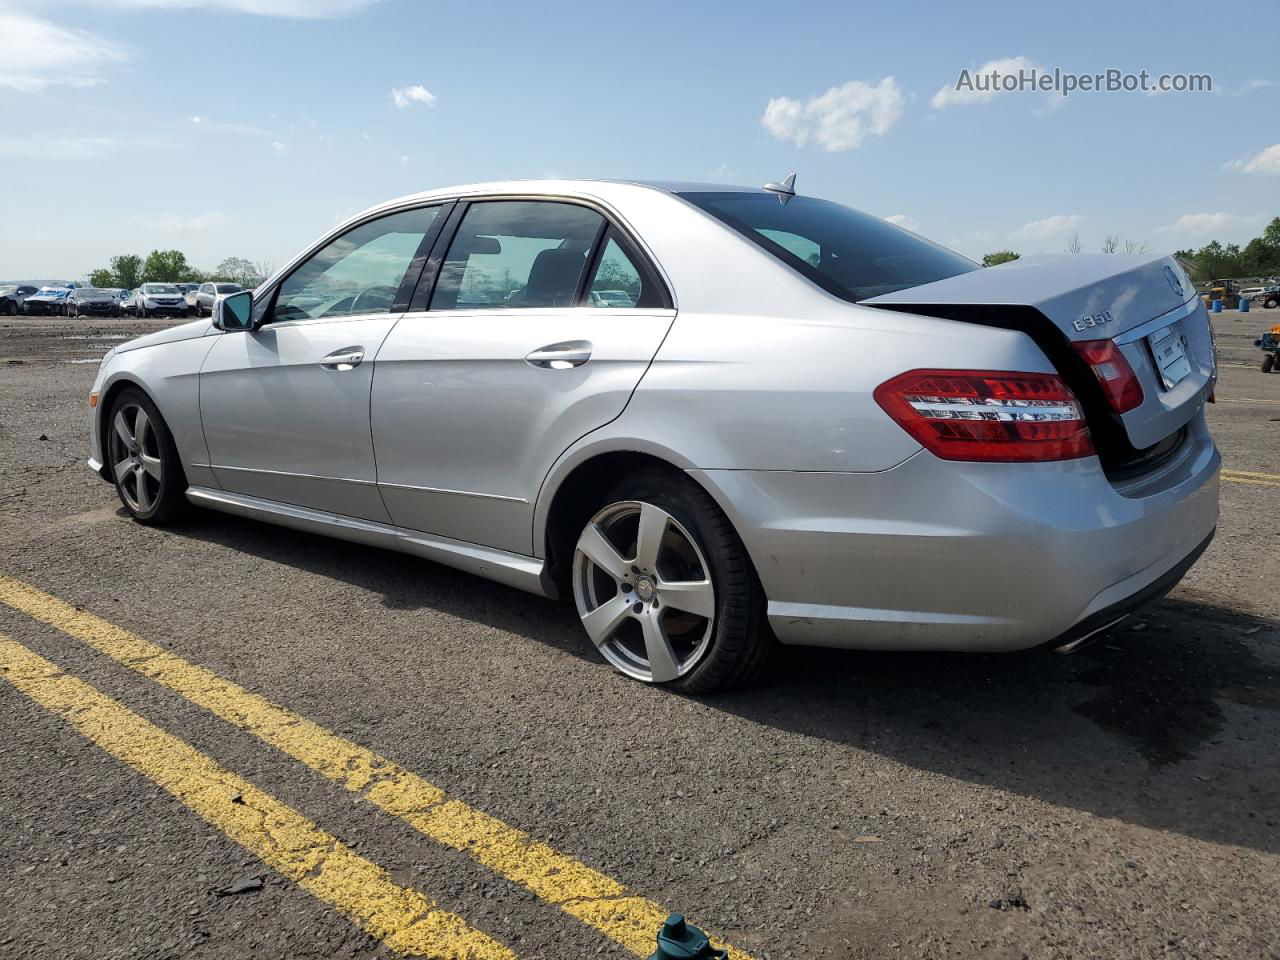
(523, 573)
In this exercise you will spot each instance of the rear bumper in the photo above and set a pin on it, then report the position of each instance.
(933, 555)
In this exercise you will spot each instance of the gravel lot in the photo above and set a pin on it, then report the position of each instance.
(1120, 802)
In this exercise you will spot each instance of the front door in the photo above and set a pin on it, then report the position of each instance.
(540, 327)
(285, 408)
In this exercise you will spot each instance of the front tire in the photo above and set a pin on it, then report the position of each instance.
(665, 589)
(144, 460)
(1271, 303)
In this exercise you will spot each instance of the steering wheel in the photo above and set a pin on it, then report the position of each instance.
(387, 295)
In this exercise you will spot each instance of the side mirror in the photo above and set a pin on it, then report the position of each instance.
(234, 312)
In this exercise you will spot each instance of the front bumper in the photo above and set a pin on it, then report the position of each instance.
(178, 309)
(934, 555)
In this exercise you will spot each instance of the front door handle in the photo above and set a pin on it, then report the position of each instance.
(561, 356)
(348, 358)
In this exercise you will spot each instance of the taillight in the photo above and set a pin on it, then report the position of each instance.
(988, 415)
(1119, 383)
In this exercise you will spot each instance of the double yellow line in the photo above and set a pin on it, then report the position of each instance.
(1245, 476)
(404, 919)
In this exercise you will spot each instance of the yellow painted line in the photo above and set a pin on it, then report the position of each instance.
(1252, 474)
(288, 842)
(580, 891)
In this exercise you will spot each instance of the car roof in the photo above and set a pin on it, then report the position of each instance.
(602, 189)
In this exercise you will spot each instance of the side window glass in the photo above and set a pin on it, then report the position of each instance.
(616, 282)
(517, 253)
(359, 272)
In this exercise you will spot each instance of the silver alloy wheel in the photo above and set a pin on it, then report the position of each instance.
(135, 455)
(644, 592)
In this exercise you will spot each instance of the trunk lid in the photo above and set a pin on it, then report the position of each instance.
(1147, 307)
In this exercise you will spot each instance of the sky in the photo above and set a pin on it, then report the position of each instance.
(249, 127)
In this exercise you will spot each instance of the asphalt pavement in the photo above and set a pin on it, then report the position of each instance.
(227, 739)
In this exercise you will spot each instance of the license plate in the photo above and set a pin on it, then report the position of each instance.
(1170, 355)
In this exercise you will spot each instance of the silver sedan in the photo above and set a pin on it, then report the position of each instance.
(716, 418)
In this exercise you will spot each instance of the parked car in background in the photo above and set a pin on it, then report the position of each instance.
(1267, 297)
(846, 435)
(159, 299)
(93, 302)
(612, 298)
(208, 293)
(47, 302)
(129, 302)
(12, 297)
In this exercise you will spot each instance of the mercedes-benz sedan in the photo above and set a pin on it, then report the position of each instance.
(714, 417)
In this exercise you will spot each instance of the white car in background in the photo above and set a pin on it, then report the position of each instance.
(208, 293)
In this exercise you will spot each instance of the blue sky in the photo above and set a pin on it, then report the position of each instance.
(247, 127)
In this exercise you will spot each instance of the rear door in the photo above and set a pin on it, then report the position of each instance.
(285, 408)
(476, 397)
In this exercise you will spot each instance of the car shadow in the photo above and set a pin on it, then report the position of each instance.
(1169, 721)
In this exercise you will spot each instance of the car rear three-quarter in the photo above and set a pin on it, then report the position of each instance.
(711, 416)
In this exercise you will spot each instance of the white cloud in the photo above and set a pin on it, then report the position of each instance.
(1050, 227)
(1265, 161)
(840, 119)
(1207, 224)
(57, 148)
(278, 146)
(296, 9)
(950, 96)
(171, 223)
(205, 124)
(902, 220)
(39, 53)
(405, 96)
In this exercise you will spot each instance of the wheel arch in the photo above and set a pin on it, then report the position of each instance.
(580, 479)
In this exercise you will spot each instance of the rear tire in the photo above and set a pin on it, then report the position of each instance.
(697, 543)
(1271, 303)
(1268, 362)
(143, 460)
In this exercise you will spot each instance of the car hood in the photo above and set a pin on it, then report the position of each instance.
(46, 296)
(184, 331)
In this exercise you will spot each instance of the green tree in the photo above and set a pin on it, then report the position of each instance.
(166, 266)
(102, 277)
(126, 270)
(1000, 256)
(238, 270)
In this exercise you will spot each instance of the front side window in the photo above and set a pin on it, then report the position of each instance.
(517, 253)
(358, 273)
(848, 253)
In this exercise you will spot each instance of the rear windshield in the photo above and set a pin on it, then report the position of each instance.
(853, 255)
(229, 288)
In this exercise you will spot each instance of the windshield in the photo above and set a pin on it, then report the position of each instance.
(7, 289)
(53, 292)
(848, 253)
(159, 288)
(228, 288)
(90, 292)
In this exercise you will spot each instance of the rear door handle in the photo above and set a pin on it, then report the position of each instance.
(348, 358)
(561, 356)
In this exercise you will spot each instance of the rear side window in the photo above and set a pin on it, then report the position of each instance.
(517, 253)
(848, 253)
(623, 278)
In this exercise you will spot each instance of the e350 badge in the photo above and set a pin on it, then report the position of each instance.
(1096, 320)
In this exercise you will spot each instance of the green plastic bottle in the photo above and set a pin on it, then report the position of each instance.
(678, 940)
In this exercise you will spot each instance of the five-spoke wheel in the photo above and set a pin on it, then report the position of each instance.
(664, 587)
(143, 460)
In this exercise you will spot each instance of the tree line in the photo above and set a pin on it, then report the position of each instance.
(128, 270)
(1259, 257)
